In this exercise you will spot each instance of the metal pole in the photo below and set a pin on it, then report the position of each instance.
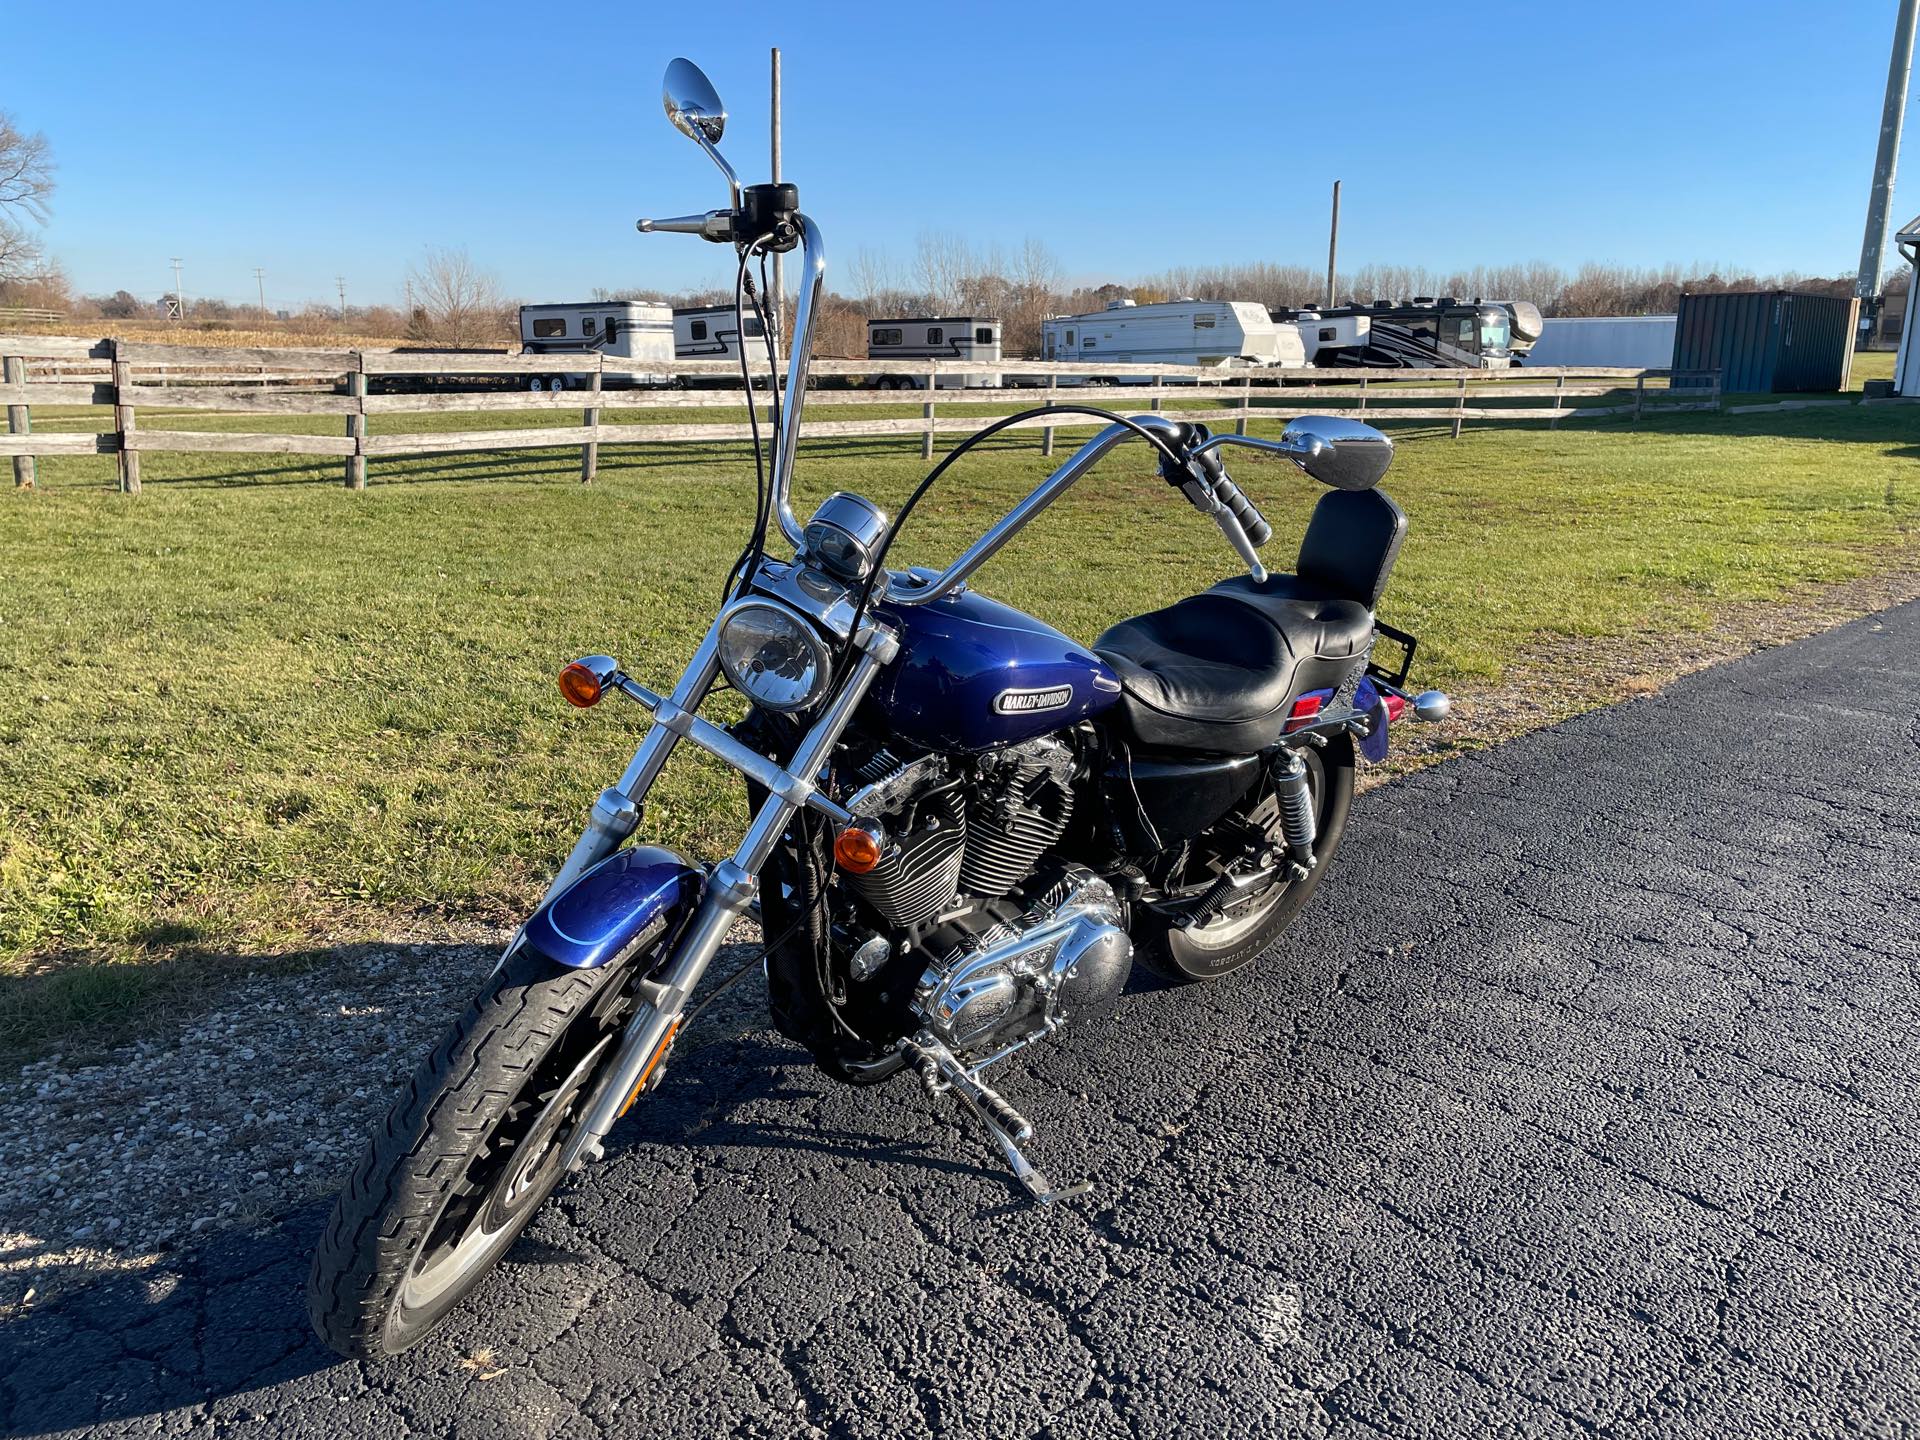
(1333, 245)
(341, 282)
(179, 296)
(779, 269)
(1867, 286)
(260, 279)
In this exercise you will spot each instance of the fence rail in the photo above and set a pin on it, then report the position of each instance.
(352, 386)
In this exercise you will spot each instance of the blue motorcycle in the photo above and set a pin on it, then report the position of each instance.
(966, 829)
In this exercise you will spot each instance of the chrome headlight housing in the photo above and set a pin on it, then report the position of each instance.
(771, 656)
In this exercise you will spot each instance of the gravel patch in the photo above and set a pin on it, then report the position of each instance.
(238, 1114)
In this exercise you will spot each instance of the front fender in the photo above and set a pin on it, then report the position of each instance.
(628, 900)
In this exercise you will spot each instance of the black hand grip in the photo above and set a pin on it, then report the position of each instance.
(1244, 510)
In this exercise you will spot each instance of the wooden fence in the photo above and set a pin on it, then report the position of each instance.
(351, 386)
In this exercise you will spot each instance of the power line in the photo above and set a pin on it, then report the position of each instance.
(260, 279)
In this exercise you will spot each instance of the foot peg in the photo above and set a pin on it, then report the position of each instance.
(940, 1070)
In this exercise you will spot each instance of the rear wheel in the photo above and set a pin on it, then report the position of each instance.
(1248, 927)
(468, 1153)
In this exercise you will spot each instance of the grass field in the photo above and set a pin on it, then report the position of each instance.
(250, 712)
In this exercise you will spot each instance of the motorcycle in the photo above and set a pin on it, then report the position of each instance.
(967, 827)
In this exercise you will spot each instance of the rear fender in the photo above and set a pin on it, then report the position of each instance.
(627, 901)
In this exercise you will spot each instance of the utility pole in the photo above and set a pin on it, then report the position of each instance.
(779, 269)
(179, 295)
(340, 281)
(1867, 285)
(260, 279)
(1333, 246)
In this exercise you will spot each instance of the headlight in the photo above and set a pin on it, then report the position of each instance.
(771, 656)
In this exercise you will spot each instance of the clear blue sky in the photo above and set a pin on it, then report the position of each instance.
(317, 140)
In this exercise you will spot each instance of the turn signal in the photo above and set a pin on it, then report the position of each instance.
(857, 849)
(580, 685)
(1304, 709)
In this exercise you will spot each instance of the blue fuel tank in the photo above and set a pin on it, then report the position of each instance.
(973, 674)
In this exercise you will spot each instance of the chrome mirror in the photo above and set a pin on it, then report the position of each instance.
(1339, 452)
(692, 103)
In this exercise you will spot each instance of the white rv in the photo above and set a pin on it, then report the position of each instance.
(935, 337)
(712, 332)
(631, 329)
(1906, 363)
(1223, 333)
(1331, 333)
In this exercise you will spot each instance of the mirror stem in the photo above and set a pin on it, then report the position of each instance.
(733, 181)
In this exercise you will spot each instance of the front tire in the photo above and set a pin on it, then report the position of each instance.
(1239, 937)
(470, 1150)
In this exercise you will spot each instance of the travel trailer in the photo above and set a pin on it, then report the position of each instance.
(1223, 333)
(935, 337)
(1423, 334)
(630, 329)
(712, 332)
(1906, 364)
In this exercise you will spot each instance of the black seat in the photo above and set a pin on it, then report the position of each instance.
(1220, 671)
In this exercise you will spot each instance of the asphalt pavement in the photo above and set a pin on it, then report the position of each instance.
(1583, 1100)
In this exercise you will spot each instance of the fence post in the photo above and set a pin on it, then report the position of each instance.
(590, 417)
(1559, 400)
(1361, 413)
(1717, 400)
(1246, 404)
(124, 423)
(357, 422)
(1460, 405)
(13, 370)
(1639, 393)
(1053, 394)
(1155, 382)
(933, 385)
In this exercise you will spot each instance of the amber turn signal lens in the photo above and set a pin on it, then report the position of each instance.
(580, 685)
(857, 849)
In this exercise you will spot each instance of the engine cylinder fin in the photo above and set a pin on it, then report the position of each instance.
(920, 873)
(1010, 830)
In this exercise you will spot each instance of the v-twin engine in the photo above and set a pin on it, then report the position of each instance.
(989, 990)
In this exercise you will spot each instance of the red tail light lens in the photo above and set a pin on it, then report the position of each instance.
(1304, 709)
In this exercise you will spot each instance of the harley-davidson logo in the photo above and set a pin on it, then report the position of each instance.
(1026, 702)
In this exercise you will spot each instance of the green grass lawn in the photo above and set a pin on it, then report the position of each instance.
(250, 712)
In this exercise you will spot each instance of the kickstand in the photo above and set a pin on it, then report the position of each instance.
(940, 1070)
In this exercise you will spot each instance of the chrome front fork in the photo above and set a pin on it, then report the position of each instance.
(731, 885)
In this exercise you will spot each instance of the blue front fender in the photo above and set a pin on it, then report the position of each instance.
(628, 900)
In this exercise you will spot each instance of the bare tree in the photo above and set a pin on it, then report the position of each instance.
(456, 302)
(26, 185)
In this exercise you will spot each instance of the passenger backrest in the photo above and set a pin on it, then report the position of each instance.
(1351, 543)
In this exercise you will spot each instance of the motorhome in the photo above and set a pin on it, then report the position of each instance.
(1421, 334)
(630, 329)
(1222, 333)
(1524, 324)
(712, 332)
(936, 337)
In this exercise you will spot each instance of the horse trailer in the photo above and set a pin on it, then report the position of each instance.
(712, 332)
(1215, 333)
(936, 337)
(630, 329)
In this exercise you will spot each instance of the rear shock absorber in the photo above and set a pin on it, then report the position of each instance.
(1295, 798)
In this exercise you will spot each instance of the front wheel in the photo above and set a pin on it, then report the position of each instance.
(1245, 930)
(468, 1153)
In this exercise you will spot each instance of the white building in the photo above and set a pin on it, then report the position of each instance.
(1906, 364)
(1636, 342)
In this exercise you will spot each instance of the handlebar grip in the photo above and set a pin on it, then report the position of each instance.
(1244, 510)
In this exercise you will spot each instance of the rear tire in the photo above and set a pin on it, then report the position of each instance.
(469, 1152)
(1186, 957)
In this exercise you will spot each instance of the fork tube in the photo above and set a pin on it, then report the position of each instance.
(728, 893)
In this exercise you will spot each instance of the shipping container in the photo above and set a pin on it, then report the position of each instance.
(1767, 341)
(1639, 342)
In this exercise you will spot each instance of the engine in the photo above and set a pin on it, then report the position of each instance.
(1005, 940)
